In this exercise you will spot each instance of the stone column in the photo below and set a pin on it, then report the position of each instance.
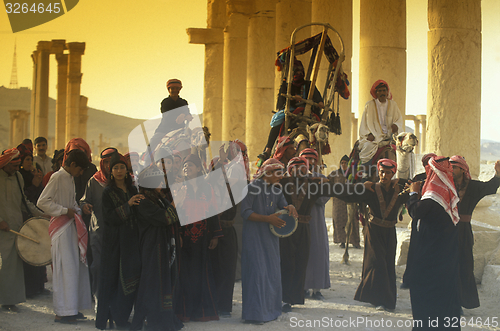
(76, 51)
(235, 70)
(58, 47)
(354, 129)
(213, 39)
(454, 89)
(416, 121)
(339, 14)
(83, 117)
(260, 75)
(19, 120)
(290, 14)
(423, 135)
(382, 53)
(40, 117)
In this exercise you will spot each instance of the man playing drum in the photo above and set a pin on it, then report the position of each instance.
(11, 205)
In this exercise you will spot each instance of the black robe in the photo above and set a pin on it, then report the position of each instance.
(378, 281)
(158, 242)
(120, 258)
(434, 277)
(475, 191)
(294, 249)
(196, 294)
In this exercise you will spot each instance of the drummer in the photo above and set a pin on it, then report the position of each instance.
(12, 289)
(260, 259)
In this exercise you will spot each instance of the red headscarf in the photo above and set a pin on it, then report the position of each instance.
(77, 143)
(297, 161)
(309, 152)
(387, 163)
(101, 176)
(268, 165)
(24, 151)
(374, 88)
(427, 157)
(459, 161)
(174, 81)
(9, 156)
(439, 186)
(284, 143)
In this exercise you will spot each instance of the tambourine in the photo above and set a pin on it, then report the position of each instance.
(288, 229)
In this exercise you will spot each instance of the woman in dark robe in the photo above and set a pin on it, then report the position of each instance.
(434, 278)
(195, 300)
(157, 220)
(34, 277)
(120, 255)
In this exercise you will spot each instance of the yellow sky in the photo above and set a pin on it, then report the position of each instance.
(134, 47)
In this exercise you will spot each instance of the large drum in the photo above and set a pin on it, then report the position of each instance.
(30, 252)
(288, 229)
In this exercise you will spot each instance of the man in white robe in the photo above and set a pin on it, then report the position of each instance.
(12, 289)
(381, 119)
(70, 277)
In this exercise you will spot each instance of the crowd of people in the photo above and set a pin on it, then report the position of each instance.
(154, 232)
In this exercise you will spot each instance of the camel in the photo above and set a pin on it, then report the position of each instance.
(405, 144)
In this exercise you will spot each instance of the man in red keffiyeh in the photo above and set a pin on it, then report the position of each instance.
(470, 193)
(378, 283)
(434, 277)
(381, 118)
(69, 239)
(12, 289)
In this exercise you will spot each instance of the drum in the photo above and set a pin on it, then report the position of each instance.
(30, 252)
(288, 229)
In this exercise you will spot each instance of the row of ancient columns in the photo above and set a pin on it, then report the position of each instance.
(241, 85)
(71, 107)
(242, 38)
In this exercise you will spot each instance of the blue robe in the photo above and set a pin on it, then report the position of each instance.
(260, 255)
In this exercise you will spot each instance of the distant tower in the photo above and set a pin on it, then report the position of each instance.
(13, 76)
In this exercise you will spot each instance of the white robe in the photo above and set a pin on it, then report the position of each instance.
(11, 266)
(370, 123)
(70, 277)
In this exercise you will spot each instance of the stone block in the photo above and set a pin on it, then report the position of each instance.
(403, 245)
(491, 281)
(485, 242)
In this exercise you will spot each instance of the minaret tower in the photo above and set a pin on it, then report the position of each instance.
(13, 76)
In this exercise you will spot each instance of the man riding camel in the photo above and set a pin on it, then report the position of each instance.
(381, 118)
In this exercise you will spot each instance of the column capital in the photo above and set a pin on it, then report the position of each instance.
(243, 7)
(422, 118)
(75, 47)
(58, 46)
(44, 46)
(205, 36)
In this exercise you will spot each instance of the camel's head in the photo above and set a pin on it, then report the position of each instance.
(406, 141)
(318, 132)
(199, 136)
